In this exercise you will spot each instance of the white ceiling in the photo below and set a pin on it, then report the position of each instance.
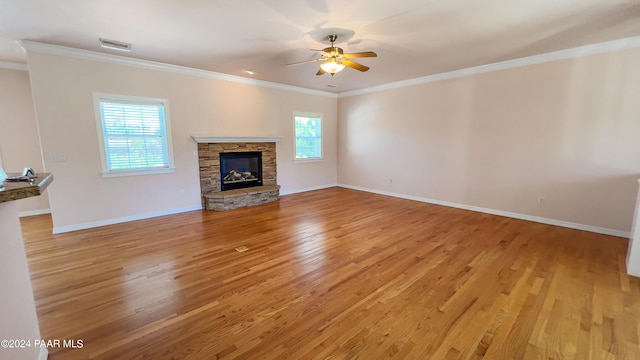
(413, 38)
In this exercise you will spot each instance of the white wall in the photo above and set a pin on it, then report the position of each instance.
(18, 318)
(633, 252)
(567, 130)
(19, 142)
(62, 89)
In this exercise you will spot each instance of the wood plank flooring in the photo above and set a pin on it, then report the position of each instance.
(334, 274)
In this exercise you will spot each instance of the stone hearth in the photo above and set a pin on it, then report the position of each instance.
(233, 199)
(209, 160)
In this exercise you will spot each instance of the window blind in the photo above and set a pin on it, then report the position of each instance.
(135, 135)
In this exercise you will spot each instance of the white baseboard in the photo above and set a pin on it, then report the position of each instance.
(34, 212)
(570, 225)
(93, 224)
(295, 191)
(44, 354)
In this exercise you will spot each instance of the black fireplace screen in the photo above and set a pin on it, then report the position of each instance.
(240, 170)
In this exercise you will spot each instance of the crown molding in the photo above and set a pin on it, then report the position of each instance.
(209, 139)
(13, 66)
(609, 46)
(51, 49)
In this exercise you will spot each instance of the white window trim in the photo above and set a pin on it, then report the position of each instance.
(309, 115)
(100, 132)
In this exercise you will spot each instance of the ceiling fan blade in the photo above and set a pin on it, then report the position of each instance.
(355, 65)
(306, 62)
(320, 72)
(360, 55)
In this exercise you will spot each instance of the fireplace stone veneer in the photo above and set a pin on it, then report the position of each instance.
(215, 199)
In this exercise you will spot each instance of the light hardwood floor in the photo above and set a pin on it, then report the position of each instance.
(334, 274)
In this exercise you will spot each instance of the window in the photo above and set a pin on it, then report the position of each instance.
(308, 129)
(134, 135)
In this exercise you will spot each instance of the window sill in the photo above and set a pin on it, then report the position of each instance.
(107, 174)
(310, 160)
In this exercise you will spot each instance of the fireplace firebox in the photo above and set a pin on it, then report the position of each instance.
(240, 170)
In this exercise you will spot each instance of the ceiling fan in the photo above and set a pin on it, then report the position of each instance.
(334, 59)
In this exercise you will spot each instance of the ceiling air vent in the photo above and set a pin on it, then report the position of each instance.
(115, 45)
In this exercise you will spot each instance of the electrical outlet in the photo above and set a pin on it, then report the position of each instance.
(58, 158)
(181, 192)
(540, 200)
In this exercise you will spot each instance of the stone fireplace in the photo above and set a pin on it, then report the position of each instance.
(241, 159)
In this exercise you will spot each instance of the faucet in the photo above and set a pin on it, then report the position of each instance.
(28, 172)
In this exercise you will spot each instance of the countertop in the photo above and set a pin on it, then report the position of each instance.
(23, 189)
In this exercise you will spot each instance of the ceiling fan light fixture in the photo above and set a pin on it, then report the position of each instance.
(334, 59)
(332, 67)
